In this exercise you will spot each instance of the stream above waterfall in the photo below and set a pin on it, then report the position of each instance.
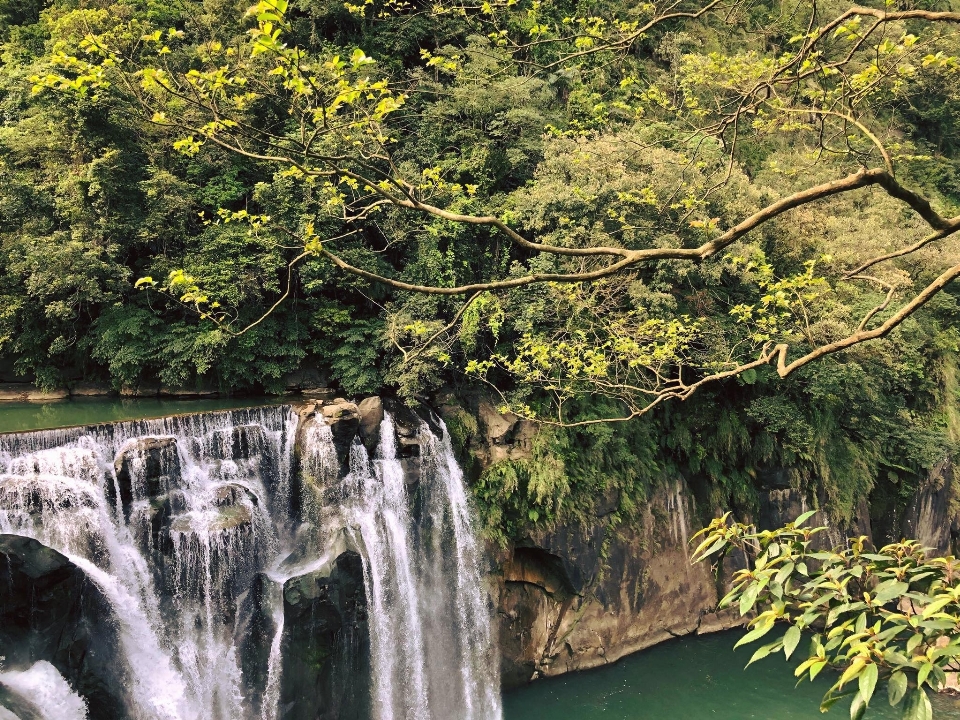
(27, 416)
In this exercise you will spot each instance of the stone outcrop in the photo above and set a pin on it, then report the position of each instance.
(570, 600)
(371, 415)
(309, 381)
(489, 435)
(256, 640)
(778, 506)
(325, 646)
(931, 516)
(50, 610)
(407, 424)
(154, 462)
(25, 392)
(343, 417)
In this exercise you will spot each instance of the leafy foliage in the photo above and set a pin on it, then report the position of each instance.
(576, 127)
(879, 618)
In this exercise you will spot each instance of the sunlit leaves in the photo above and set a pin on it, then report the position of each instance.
(890, 616)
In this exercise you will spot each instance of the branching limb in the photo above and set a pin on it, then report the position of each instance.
(784, 368)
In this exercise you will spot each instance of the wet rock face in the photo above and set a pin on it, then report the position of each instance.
(256, 638)
(564, 607)
(343, 417)
(50, 610)
(246, 441)
(326, 646)
(371, 415)
(930, 516)
(148, 468)
(407, 424)
(780, 506)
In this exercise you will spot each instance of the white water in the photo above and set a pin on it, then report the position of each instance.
(55, 486)
(432, 652)
(46, 690)
(224, 480)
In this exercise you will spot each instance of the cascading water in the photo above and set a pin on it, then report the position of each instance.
(431, 647)
(189, 529)
(46, 691)
(175, 508)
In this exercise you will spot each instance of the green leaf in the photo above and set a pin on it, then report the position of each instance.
(760, 654)
(790, 641)
(755, 634)
(858, 707)
(917, 706)
(913, 642)
(868, 683)
(801, 519)
(784, 573)
(887, 591)
(749, 597)
(896, 687)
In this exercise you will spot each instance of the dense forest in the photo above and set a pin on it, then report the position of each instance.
(419, 198)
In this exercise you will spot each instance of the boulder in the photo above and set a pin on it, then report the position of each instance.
(343, 417)
(326, 646)
(50, 610)
(371, 415)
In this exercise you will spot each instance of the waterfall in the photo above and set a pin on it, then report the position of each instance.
(46, 691)
(430, 625)
(176, 508)
(191, 528)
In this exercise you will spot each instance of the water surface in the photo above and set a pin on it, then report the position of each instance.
(690, 679)
(23, 416)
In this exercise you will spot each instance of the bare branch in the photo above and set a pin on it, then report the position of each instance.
(784, 368)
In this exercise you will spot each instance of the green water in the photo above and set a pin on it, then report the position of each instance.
(20, 416)
(689, 679)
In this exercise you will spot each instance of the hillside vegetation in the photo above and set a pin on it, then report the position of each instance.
(542, 197)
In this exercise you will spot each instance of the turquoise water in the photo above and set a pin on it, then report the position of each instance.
(21, 416)
(689, 679)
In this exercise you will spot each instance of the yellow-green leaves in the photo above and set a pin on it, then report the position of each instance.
(917, 706)
(896, 687)
(885, 616)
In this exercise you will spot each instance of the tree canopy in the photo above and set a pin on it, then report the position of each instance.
(655, 167)
(594, 207)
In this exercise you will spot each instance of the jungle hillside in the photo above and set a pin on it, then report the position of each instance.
(713, 238)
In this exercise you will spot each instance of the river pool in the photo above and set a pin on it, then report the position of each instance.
(690, 679)
(22, 416)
